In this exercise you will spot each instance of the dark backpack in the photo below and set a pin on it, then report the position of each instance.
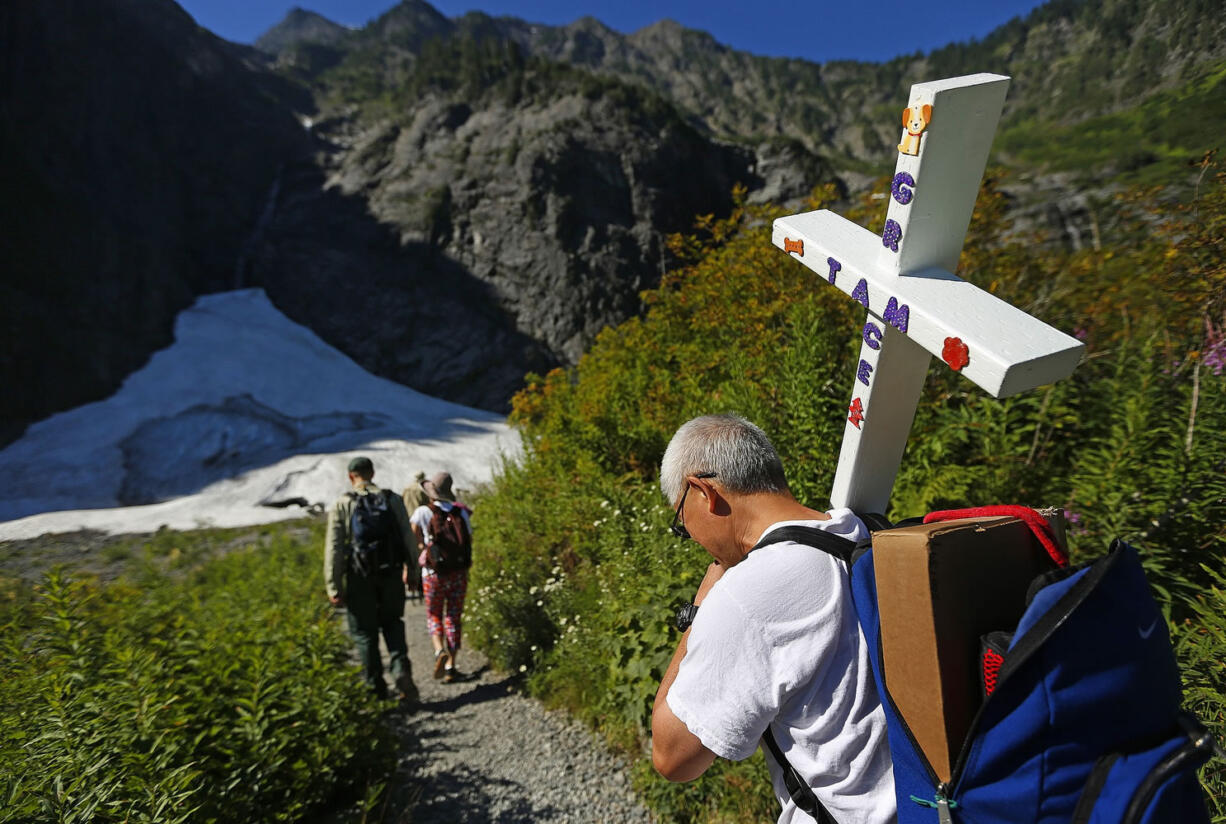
(451, 546)
(376, 547)
(1083, 721)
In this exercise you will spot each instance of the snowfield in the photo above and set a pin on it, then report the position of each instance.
(246, 418)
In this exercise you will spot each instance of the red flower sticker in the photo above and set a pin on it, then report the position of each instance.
(856, 411)
(956, 354)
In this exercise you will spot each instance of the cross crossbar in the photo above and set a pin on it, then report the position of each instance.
(1011, 351)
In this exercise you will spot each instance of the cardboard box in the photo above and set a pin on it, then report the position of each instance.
(940, 587)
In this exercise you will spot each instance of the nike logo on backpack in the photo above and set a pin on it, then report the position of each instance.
(1145, 633)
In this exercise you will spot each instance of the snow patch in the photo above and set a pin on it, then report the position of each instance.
(246, 418)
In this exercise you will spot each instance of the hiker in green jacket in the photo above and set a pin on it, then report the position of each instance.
(367, 543)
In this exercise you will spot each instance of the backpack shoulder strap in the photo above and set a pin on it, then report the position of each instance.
(827, 542)
(802, 794)
(397, 533)
(875, 521)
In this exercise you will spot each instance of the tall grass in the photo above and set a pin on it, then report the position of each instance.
(200, 688)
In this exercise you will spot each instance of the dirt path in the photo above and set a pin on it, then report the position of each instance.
(477, 750)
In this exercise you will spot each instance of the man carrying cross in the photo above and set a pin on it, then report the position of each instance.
(775, 651)
(774, 643)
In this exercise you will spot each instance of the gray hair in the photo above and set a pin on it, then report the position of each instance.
(739, 453)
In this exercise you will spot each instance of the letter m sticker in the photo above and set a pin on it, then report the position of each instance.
(897, 316)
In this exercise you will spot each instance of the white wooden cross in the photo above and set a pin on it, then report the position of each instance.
(916, 306)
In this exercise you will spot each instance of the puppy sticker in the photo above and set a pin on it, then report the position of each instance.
(914, 121)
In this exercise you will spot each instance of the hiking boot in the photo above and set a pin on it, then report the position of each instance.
(407, 689)
(450, 674)
(442, 661)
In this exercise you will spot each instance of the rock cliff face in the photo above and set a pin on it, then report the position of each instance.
(137, 149)
(533, 196)
(490, 236)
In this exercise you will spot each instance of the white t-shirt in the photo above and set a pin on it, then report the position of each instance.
(421, 518)
(776, 641)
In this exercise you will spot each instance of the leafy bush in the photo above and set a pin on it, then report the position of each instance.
(1199, 641)
(579, 577)
(222, 691)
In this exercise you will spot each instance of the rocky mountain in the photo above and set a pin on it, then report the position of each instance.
(148, 162)
(137, 151)
(548, 211)
(453, 202)
(514, 186)
(302, 27)
(1069, 59)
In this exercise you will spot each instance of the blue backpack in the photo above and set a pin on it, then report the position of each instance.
(1083, 723)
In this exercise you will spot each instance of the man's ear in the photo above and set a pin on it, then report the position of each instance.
(715, 501)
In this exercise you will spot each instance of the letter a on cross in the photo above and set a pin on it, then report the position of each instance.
(916, 306)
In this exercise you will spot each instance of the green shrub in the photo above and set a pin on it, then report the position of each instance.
(1200, 641)
(218, 692)
(578, 578)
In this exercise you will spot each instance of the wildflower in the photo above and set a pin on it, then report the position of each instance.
(1215, 348)
(523, 667)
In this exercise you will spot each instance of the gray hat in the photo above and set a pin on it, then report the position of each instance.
(362, 465)
(439, 487)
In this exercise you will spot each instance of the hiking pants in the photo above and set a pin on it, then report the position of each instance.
(444, 593)
(375, 605)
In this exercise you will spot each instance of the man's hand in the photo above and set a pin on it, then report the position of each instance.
(337, 601)
(714, 572)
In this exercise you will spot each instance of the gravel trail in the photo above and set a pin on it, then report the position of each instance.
(476, 750)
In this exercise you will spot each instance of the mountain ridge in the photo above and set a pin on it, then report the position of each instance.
(1037, 50)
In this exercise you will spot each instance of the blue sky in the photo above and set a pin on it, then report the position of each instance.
(817, 30)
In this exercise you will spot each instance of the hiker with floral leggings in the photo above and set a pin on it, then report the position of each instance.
(444, 537)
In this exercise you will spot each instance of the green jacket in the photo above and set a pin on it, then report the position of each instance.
(338, 535)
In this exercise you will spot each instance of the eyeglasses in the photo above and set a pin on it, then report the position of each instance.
(676, 527)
